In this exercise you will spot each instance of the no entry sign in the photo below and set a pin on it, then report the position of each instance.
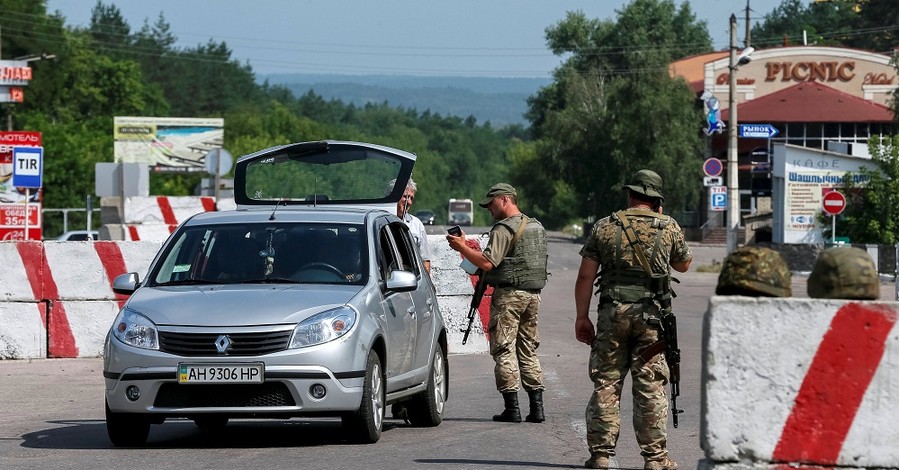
(834, 202)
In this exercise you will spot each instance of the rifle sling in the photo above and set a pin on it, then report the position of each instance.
(632, 239)
(520, 231)
(650, 351)
(660, 345)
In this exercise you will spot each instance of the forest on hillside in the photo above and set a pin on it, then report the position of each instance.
(588, 130)
(113, 69)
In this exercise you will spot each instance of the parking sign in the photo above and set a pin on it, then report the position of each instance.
(718, 198)
(28, 167)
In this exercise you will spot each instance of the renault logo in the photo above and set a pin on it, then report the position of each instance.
(222, 343)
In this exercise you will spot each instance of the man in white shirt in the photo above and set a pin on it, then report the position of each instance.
(416, 227)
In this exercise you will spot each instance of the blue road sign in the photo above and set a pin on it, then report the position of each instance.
(758, 131)
(28, 167)
(718, 198)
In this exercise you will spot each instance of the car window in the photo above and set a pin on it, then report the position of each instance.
(324, 173)
(263, 253)
(397, 251)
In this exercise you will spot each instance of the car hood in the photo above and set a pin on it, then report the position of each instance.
(237, 304)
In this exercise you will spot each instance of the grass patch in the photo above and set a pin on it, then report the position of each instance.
(715, 267)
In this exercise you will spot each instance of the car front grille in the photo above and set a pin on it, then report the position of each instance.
(240, 344)
(173, 395)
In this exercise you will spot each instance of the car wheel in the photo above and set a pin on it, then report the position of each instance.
(366, 423)
(126, 429)
(427, 408)
(210, 422)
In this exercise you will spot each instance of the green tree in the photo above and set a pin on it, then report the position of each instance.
(613, 109)
(109, 30)
(861, 24)
(872, 212)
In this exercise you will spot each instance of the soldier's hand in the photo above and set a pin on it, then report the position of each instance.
(455, 242)
(584, 330)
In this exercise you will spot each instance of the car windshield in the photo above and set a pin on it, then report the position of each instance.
(265, 253)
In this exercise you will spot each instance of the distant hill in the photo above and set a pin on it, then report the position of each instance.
(502, 101)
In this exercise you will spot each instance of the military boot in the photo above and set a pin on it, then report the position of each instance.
(535, 400)
(597, 460)
(662, 464)
(511, 414)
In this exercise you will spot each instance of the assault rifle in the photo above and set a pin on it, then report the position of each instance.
(672, 355)
(479, 290)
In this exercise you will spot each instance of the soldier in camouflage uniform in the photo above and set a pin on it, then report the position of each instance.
(628, 320)
(754, 271)
(514, 263)
(844, 273)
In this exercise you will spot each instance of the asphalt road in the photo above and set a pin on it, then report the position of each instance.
(52, 410)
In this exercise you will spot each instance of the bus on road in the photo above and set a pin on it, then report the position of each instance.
(461, 212)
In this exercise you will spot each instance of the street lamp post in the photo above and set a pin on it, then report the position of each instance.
(733, 181)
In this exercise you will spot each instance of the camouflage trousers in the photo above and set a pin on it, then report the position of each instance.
(514, 339)
(622, 332)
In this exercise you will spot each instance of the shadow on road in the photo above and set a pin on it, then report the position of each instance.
(183, 433)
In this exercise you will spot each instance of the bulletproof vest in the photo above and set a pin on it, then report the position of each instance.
(624, 283)
(524, 267)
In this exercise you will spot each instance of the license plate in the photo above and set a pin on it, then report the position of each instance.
(245, 373)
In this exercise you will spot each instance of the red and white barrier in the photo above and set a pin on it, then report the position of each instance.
(166, 210)
(153, 218)
(800, 382)
(56, 298)
(454, 291)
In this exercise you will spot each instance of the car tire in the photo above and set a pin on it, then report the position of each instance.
(426, 410)
(366, 423)
(210, 422)
(126, 429)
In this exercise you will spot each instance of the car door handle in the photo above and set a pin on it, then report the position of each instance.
(411, 311)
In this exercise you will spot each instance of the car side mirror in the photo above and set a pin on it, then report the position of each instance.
(126, 283)
(402, 281)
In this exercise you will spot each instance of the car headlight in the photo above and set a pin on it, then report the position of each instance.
(323, 327)
(135, 330)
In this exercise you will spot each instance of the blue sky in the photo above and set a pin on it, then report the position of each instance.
(486, 38)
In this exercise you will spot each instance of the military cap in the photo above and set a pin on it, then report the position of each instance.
(499, 189)
(754, 271)
(647, 183)
(844, 272)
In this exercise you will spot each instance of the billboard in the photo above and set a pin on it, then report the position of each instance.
(167, 144)
(12, 199)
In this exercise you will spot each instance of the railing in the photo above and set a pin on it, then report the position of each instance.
(715, 221)
(78, 212)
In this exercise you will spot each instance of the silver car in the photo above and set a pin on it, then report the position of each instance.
(310, 299)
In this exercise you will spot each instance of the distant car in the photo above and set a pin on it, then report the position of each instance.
(79, 235)
(299, 303)
(426, 217)
(460, 219)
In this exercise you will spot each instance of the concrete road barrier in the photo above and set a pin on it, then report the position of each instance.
(56, 298)
(801, 382)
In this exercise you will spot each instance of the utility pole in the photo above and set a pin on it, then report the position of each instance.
(733, 181)
(748, 38)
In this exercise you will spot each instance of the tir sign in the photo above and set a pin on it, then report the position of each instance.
(834, 202)
(28, 167)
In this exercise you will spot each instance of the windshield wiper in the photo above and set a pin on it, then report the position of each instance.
(187, 282)
(271, 280)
